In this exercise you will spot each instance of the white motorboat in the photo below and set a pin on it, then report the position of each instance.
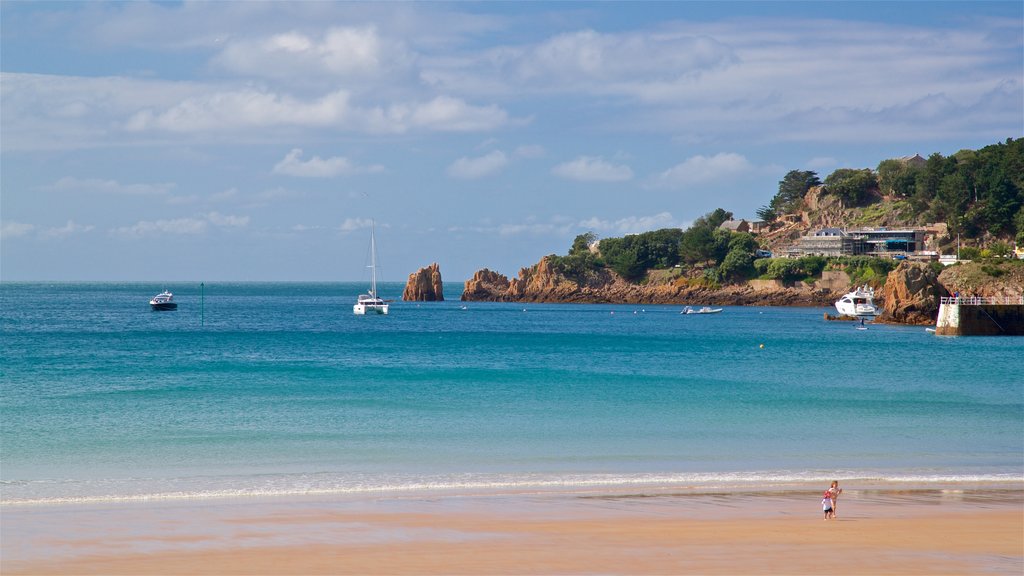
(163, 301)
(703, 310)
(370, 303)
(859, 302)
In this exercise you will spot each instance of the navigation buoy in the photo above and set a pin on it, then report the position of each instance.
(762, 346)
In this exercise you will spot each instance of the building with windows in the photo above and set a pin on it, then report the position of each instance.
(880, 242)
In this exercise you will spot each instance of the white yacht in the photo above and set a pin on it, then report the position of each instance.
(859, 302)
(163, 301)
(371, 303)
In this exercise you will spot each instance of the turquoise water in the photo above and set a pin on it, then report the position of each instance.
(277, 388)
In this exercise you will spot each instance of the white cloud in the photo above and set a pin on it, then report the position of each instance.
(353, 224)
(218, 219)
(448, 114)
(246, 108)
(339, 51)
(69, 229)
(554, 227)
(317, 167)
(194, 226)
(593, 169)
(11, 229)
(176, 227)
(700, 169)
(629, 224)
(96, 185)
(470, 168)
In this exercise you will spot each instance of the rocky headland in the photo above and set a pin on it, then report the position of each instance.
(424, 285)
(910, 295)
(542, 283)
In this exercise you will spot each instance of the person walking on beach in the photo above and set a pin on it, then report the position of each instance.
(826, 505)
(833, 493)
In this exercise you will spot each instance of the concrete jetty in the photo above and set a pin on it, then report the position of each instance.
(974, 316)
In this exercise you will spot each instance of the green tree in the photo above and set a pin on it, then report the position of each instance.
(582, 243)
(792, 189)
(704, 241)
(897, 178)
(851, 186)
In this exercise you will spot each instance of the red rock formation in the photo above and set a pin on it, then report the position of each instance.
(424, 285)
(911, 294)
(542, 283)
(486, 286)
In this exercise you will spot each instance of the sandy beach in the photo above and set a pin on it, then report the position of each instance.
(881, 531)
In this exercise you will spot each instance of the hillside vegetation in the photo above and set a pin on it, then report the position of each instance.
(976, 195)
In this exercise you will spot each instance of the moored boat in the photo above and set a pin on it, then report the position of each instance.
(163, 301)
(859, 302)
(703, 310)
(370, 303)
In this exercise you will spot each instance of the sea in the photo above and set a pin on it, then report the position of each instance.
(277, 389)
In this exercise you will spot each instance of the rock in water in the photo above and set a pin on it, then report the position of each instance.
(486, 286)
(912, 292)
(424, 285)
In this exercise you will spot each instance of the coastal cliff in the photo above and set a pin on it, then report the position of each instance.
(542, 283)
(424, 285)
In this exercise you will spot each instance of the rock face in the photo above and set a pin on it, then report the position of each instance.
(911, 294)
(543, 283)
(486, 286)
(424, 285)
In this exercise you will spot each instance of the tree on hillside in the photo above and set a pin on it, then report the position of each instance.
(631, 256)
(897, 178)
(792, 189)
(927, 184)
(582, 243)
(704, 240)
(850, 185)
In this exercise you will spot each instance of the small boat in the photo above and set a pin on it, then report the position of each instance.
(370, 303)
(703, 310)
(163, 301)
(859, 302)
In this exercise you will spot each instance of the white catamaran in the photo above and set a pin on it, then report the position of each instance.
(370, 303)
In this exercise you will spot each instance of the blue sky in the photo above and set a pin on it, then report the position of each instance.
(256, 141)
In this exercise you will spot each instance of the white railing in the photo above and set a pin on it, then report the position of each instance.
(979, 300)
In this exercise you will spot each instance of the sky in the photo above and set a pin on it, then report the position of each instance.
(258, 141)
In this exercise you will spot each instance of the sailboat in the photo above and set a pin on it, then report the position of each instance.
(370, 303)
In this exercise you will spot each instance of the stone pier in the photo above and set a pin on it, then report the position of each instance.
(980, 317)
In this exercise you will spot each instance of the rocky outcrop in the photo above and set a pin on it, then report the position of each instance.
(991, 280)
(543, 283)
(486, 286)
(424, 285)
(911, 294)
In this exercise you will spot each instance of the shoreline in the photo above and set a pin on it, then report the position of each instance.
(958, 528)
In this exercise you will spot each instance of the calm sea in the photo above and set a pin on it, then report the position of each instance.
(277, 388)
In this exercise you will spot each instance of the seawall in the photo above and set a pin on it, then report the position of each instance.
(980, 317)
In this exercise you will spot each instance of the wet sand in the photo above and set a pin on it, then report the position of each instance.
(878, 531)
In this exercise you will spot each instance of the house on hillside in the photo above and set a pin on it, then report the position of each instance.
(916, 161)
(880, 242)
(735, 225)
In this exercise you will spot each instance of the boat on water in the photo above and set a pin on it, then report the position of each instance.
(702, 310)
(370, 303)
(163, 301)
(859, 302)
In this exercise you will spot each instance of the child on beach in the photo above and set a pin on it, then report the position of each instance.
(826, 504)
(833, 493)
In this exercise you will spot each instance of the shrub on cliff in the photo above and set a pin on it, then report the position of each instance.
(790, 269)
(863, 269)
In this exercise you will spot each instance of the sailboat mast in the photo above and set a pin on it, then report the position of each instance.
(373, 261)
